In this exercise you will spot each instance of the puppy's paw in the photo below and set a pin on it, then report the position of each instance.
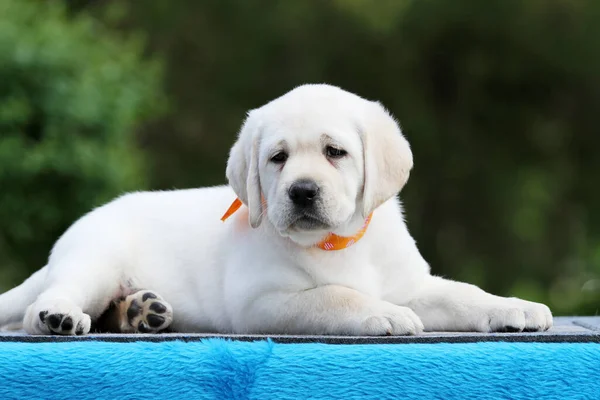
(538, 317)
(60, 317)
(391, 320)
(145, 312)
(515, 315)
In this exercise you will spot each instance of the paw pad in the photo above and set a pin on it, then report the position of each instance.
(60, 323)
(147, 312)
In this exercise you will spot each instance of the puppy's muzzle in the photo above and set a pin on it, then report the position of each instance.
(303, 193)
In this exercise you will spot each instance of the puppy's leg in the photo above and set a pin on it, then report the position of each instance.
(445, 305)
(328, 309)
(78, 290)
(143, 311)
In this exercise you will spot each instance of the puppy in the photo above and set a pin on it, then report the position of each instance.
(318, 246)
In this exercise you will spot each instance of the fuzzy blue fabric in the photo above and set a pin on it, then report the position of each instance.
(223, 369)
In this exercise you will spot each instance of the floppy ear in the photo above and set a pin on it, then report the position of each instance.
(242, 169)
(387, 157)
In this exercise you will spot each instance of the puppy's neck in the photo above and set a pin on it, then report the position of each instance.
(352, 226)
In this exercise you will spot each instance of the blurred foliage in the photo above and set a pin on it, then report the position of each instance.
(71, 94)
(498, 99)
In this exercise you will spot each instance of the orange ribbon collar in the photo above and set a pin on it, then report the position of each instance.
(237, 203)
(331, 242)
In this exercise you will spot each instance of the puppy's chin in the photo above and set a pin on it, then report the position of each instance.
(308, 230)
(307, 223)
(304, 230)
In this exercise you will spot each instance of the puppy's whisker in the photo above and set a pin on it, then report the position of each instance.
(263, 212)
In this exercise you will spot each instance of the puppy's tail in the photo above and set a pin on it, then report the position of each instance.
(14, 302)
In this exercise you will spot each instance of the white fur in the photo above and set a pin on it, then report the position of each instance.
(258, 272)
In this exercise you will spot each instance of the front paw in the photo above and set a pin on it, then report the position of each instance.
(515, 315)
(390, 320)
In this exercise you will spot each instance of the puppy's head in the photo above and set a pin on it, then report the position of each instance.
(317, 160)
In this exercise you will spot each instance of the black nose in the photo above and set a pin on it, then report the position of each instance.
(303, 192)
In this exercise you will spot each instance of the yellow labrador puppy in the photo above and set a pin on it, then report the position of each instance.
(317, 245)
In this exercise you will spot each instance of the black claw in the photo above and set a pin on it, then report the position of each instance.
(43, 316)
(54, 320)
(133, 311)
(67, 324)
(158, 307)
(155, 320)
(148, 295)
(79, 330)
(143, 328)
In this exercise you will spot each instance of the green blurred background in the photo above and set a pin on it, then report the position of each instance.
(500, 100)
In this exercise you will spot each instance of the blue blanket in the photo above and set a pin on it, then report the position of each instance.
(225, 369)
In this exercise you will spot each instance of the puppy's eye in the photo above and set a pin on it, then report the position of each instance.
(334, 152)
(279, 157)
